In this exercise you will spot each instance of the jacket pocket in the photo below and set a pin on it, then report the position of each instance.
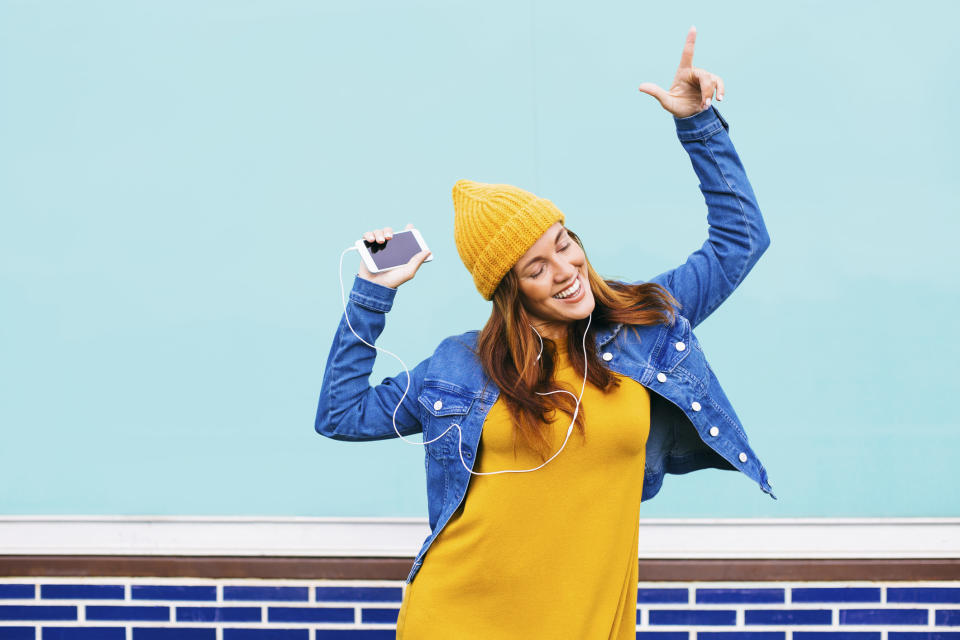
(443, 407)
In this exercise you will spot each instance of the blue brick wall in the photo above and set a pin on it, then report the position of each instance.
(188, 609)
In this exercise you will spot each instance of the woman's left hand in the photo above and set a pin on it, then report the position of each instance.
(692, 88)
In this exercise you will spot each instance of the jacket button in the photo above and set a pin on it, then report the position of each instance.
(437, 405)
(608, 356)
(662, 377)
(695, 406)
(714, 431)
(467, 454)
(681, 346)
(743, 457)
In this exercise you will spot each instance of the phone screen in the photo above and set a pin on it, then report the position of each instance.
(395, 251)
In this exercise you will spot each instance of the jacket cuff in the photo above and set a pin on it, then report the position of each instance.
(373, 296)
(700, 126)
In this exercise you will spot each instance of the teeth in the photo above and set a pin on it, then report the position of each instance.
(569, 291)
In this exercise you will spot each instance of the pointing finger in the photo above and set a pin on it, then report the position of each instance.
(686, 58)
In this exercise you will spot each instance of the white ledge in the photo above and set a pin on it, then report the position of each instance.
(695, 538)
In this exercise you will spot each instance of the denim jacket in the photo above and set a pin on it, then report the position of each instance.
(692, 424)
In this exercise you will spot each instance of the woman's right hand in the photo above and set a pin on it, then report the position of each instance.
(692, 86)
(394, 277)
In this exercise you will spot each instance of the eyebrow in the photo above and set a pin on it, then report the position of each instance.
(534, 259)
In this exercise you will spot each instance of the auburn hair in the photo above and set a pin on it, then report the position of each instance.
(507, 348)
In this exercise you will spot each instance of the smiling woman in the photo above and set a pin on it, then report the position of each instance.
(551, 288)
(517, 549)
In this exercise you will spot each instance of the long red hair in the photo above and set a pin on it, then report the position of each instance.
(507, 348)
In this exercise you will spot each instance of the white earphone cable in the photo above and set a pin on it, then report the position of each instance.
(343, 299)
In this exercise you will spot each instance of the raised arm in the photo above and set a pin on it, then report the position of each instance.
(349, 408)
(737, 235)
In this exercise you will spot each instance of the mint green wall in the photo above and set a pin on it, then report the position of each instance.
(178, 179)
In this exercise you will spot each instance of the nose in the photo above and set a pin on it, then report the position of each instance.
(567, 275)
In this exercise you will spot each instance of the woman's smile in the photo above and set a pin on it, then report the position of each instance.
(573, 293)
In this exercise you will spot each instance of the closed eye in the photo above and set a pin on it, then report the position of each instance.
(563, 248)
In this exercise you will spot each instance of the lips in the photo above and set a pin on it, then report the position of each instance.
(578, 295)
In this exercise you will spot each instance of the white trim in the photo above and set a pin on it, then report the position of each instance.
(745, 538)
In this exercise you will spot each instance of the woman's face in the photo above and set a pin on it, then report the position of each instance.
(555, 264)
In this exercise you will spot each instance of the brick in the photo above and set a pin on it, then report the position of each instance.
(17, 633)
(663, 635)
(174, 633)
(83, 633)
(836, 635)
(128, 613)
(218, 614)
(835, 594)
(692, 616)
(788, 616)
(947, 617)
(923, 635)
(310, 614)
(17, 591)
(172, 592)
(267, 634)
(668, 596)
(739, 595)
(358, 594)
(741, 635)
(37, 612)
(81, 591)
(379, 615)
(883, 616)
(266, 593)
(923, 594)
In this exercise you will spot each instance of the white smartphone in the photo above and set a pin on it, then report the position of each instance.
(393, 253)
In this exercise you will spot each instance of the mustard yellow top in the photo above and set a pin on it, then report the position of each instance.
(550, 553)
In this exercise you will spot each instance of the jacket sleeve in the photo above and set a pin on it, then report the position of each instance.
(737, 236)
(349, 408)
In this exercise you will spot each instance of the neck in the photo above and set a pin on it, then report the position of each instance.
(557, 333)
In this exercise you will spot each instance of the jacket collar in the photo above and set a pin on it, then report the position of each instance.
(607, 334)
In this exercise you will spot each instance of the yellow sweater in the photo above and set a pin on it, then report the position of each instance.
(547, 554)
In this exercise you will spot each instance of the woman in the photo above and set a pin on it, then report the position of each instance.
(546, 545)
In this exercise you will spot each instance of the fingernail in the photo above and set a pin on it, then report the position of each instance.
(707, 103)
(720, 98)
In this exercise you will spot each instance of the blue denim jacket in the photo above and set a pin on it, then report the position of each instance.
(692, 424)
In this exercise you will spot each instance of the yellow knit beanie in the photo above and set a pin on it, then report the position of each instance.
(494, 225)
